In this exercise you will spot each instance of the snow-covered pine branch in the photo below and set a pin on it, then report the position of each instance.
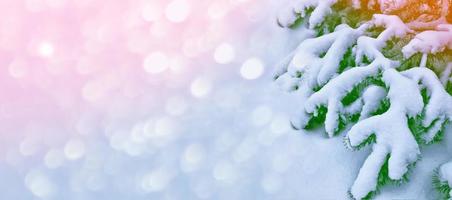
(443, 180)
(346, 76)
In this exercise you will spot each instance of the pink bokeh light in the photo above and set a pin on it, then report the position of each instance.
(62, 58)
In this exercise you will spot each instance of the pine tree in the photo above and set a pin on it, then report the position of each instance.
(382, 66)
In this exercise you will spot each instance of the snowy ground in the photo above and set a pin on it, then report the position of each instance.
(90, 111)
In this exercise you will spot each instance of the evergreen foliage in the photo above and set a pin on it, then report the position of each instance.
(423, 133)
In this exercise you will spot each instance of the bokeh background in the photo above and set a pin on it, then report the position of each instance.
(159, 99)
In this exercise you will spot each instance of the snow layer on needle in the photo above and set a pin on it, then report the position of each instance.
(439, 107)
(371, 47)
(440, 103)
(372, 98)
(393, 24)
(321, 8)
(430, 42)
(393, 137)
(306, 68)
(287, 17)
(434, 130)
(287, 83)
(445, 174)
(368, 103)
(320, 12)
(300, 119)
(284, 80)
(333, 92)
(446, 74)
(317, 70)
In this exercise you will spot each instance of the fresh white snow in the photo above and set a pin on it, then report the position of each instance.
(445, 174)
(315, 63)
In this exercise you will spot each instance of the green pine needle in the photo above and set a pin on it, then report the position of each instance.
(441, 186)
